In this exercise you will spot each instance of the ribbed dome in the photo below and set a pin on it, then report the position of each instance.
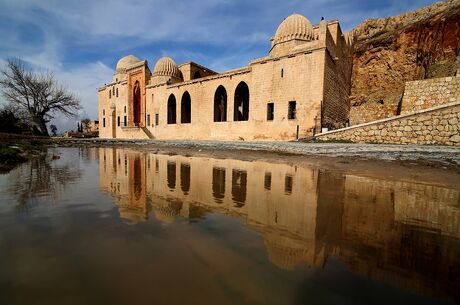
(294, 27)
(125, 62)
(165, 66)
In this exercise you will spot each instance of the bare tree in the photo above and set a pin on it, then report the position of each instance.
(36, 93)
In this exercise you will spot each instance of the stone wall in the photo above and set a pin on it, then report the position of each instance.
(428, 93)
(337, 80)
(437, 125)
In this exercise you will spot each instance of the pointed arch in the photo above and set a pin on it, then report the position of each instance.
(186, 108)
(137, 103)
(172, 109)
(220, 104)
(241, 103)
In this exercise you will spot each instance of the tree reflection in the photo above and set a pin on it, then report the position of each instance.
(41, 177)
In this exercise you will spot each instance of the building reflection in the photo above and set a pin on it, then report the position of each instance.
(396, 232)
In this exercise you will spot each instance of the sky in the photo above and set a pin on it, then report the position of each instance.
(81, 41)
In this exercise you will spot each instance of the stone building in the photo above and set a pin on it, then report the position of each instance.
(90, 126)
(300, 87)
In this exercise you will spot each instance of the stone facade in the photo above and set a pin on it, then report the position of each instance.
(423, 94)
(300, 87)
(437, 125)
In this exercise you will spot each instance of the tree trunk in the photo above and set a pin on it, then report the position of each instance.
(41, 126)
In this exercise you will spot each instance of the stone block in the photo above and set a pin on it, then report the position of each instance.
(455, 138)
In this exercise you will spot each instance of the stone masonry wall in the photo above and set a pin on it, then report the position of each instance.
(337, 81)
(437, 125)
(428, 93)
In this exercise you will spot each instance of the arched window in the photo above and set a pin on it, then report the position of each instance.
(117, 92)
(241, 103)
(110, 93)
(172, 109)
(186, 108)
(220, 105)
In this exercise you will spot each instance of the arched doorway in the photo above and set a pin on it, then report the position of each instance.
(137, 103)
(172, 109)
(241, 103)
(220, 105)
(186, 108)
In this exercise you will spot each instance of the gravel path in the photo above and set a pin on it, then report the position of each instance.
(444, 154)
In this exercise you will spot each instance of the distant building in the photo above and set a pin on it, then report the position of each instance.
(92, 126)
(301, 87)
(90, 129)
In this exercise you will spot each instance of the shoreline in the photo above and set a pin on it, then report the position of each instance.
(435, 165)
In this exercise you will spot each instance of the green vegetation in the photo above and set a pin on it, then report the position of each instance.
(13, 153)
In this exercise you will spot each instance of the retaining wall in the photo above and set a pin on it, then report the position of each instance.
(436, 125)
(428, 93)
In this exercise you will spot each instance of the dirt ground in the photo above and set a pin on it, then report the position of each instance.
(434, 165)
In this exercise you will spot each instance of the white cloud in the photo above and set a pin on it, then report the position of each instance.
(83, 82)
(239, 27)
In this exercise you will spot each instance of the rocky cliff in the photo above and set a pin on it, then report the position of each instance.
(390, 51)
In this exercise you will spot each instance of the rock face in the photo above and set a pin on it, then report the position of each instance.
(390, 51)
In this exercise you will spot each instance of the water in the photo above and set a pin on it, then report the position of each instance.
(116, 226)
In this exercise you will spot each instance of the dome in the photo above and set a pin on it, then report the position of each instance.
(165, 211)
(166, 66)
(294, 27)
(125, 62)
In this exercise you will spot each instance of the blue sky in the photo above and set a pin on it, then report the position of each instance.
(82, 40)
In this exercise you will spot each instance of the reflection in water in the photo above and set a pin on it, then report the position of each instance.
(391, 231)
(288, 184)
(185, 177)
(268, 181)
(137, 177)
(171, 175)
(42, 176)
(239, 187)
(218, 183)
